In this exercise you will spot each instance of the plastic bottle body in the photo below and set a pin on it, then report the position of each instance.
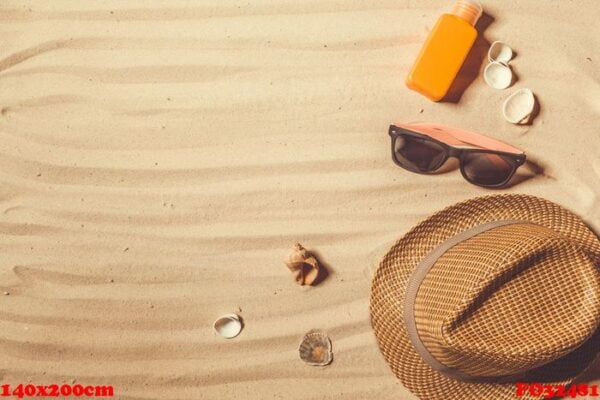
(441, 57)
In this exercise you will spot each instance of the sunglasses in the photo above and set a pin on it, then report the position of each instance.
(424, 148)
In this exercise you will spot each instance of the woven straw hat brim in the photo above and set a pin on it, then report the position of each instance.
(390, 280)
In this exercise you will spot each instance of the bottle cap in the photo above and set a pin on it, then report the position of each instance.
(468, 10)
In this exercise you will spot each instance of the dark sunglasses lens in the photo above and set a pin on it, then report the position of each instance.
(417, 154)
(487, 169)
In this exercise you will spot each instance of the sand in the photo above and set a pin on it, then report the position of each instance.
(158, 159)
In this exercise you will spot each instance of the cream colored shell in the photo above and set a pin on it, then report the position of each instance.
(498, 75)
(517, 108)
(228, 326)
(501, 52)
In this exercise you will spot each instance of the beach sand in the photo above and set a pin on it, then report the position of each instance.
(159, 158)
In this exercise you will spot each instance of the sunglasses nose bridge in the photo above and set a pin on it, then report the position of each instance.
(454, 152)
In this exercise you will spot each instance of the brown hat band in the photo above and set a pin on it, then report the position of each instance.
(412, 288)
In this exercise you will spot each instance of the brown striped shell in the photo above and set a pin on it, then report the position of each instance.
(315, 348)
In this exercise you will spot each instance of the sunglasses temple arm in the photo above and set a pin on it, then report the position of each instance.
(451, 135)
(482, 141)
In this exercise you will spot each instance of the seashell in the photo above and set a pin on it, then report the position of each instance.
(501, 52)
(498, 75)
(228, 325)
(315, 348)
(518, 106)
(303, 265)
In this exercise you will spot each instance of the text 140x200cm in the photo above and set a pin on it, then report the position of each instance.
(65, 390)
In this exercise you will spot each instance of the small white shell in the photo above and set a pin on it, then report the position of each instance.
(501, 52)
(315, 348)
(518, 106)
(228, 325)
(498, 75)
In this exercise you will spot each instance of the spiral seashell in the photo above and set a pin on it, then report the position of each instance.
(303, 265)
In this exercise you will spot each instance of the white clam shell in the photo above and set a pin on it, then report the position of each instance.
(228, 325)
(498, 75)
(518, 106)
(501, 52)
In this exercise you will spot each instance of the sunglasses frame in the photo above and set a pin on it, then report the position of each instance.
(516, 160)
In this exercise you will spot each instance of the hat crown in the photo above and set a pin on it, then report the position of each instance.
(397, 284)
(507, 300)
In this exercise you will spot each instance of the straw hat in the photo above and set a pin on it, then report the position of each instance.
(486, 293)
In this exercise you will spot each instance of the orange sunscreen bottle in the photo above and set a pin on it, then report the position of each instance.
(445, 50)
